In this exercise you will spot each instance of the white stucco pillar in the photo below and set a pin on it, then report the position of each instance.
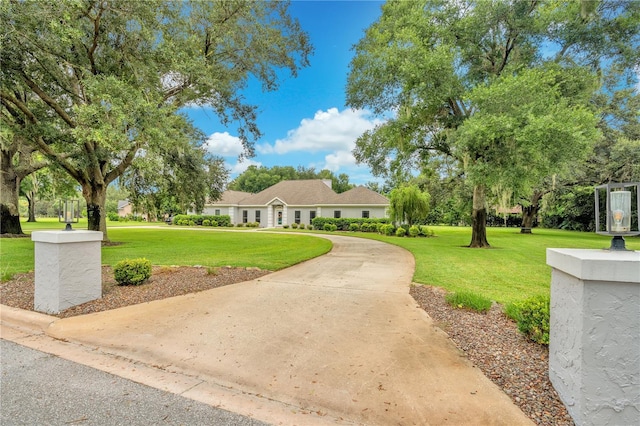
(594, 347)
(68, 269)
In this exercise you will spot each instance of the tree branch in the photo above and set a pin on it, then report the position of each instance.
(48, 100)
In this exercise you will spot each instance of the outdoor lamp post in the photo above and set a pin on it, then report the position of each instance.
(622, 202)
(69, 212)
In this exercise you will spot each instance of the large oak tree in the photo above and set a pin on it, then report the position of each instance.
(459, 78)
(105, 80)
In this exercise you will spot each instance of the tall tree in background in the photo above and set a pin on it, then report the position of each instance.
(105, 80)
(256, 179)
(436, 64)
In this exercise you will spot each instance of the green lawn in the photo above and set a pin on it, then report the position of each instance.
(513, 269)
(180, 246)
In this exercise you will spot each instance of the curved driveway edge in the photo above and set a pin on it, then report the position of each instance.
(337, 339)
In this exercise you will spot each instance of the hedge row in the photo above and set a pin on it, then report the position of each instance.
(343, 223)
(198, 219)
(380, 226)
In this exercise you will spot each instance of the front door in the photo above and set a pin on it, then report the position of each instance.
(278, 213)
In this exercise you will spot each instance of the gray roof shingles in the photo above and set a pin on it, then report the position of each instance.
(304, 193)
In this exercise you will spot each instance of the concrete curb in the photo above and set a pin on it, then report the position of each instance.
(35, 322)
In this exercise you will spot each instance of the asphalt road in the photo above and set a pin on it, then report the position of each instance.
(41, 389)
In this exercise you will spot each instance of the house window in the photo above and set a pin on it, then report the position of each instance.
(217, 212)
(312, 215)
(336, 214)
(245, 216)
(297, 214)
(258, 216)
(365, 214)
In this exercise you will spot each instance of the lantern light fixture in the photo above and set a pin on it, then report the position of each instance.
(622, 201)
(69, 212)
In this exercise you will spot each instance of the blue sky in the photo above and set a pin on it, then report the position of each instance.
(305, 122)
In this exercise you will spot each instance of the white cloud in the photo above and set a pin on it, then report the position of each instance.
(329, 130)
(224, 145)
(242, 165)
(339, 159)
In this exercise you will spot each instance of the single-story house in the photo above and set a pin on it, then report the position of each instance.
(298, 201)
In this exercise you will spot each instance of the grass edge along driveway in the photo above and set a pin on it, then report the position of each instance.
(184, 247)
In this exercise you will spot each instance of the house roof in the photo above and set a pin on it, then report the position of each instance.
(362, 195)
(232, 197)
(303, 193)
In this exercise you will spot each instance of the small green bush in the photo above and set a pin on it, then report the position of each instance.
(285, 226)
(388, 230)
(532, 317)
(206, 222)
(301, 226)
(467, 300)
(132, 271)
(214, 223)
(414, 231)
(354, 227)
(401, 232)
(192, 223)
(113, 217)
(294, 225)
(327, 227)
(239, 225)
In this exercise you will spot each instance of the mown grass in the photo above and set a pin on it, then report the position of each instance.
(513, 269)
(179, 246)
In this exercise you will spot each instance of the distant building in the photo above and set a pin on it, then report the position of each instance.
(298, 201)
(124, 208)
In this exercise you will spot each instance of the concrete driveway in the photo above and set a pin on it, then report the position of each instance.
(337, 339)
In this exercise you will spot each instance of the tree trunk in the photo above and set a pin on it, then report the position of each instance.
(31, 199)
(96, 196)
(479, 219)
(9, 186)
(530, 212)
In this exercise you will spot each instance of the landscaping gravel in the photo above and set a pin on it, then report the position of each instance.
(165, 281)
(491, 341)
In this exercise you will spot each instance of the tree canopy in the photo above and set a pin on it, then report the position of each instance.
(407, 204)
(97, 85)
(256, 179)
(505, 88)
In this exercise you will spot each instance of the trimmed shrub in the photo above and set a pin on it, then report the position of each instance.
(388, 230)
(301, 226)
(192, 223)
(401, 232)
(294, 225)
(285, 226)
(113, 217)
(239, 225)
(206, 222)
(414, 231)
(214, 223)
(354, 227)
(467, 300)
(532, 317)
(132, 271)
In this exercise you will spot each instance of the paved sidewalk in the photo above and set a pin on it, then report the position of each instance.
(335, 340)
